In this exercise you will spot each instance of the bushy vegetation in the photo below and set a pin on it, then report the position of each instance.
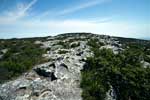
(95, 43)
(64, 44)
(67, 35)
(123, 71)
(21, 56)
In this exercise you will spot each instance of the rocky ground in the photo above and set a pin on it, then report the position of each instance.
(59, 78)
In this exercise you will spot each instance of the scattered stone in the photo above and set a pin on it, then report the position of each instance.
(57, 79)
(63, 65)
(111, 95)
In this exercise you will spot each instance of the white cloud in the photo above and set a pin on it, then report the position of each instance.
(53, 27)
(34, 27)
(73, 8)
(20, 11)
(82, 6)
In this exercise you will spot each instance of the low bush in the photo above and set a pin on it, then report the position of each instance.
(123, 71)
(21, 56)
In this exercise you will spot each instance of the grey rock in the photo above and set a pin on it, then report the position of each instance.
(1, 56)
(58, 79)
(111, 95)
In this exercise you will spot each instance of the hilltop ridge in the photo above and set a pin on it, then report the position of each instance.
(75, 66)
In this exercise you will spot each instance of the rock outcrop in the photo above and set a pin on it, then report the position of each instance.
(58, 79)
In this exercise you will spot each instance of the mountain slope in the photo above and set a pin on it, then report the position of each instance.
(79, 66)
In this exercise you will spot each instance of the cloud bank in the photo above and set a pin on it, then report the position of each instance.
(15, 24)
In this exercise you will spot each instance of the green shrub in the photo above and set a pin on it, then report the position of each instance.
(21, 56)
(64, 44)
(123, 71)
(95, 43)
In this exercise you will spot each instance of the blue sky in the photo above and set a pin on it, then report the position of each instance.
(32, 18)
